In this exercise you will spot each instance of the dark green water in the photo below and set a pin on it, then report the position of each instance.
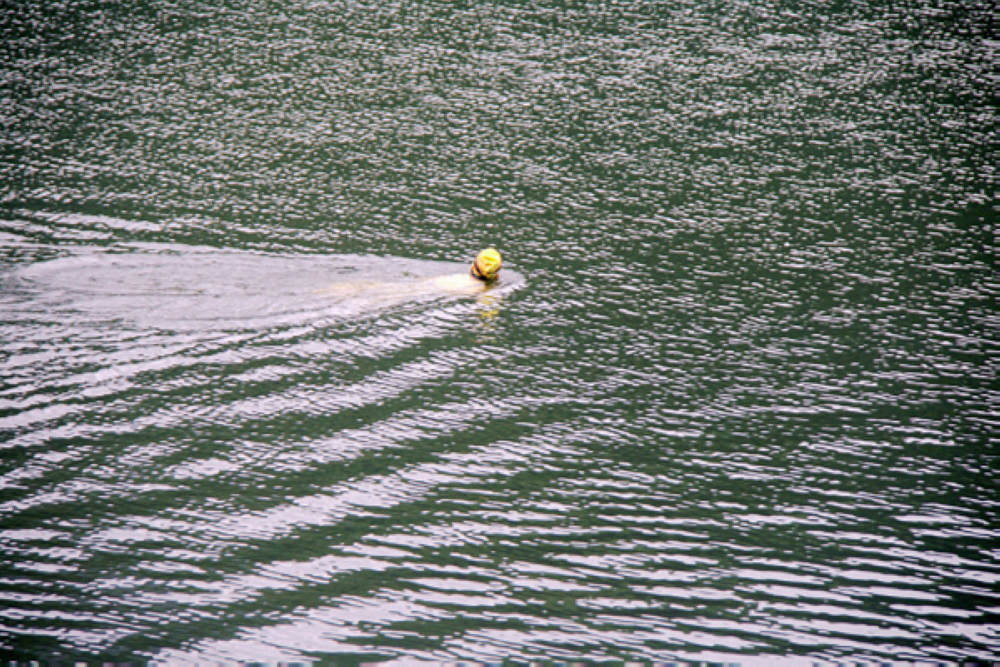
(735, 398)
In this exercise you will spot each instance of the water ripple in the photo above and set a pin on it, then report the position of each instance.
(733, 400)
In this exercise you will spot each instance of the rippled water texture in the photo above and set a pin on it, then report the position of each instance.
(734, 399)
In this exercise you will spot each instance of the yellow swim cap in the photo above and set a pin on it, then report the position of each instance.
(487, 264)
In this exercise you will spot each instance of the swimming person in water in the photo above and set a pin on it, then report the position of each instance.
(482, 274)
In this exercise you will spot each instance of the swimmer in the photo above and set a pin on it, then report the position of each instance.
(483, 273)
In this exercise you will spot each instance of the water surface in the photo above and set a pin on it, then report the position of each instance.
(736, 400)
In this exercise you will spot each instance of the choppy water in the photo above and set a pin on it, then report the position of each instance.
(736, 398)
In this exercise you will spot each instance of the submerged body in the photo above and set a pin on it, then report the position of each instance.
(457, 284)
(483, 274)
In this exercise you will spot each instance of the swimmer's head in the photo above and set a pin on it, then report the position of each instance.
(487, 265)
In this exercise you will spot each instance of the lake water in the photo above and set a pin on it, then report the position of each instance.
(734, 398)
